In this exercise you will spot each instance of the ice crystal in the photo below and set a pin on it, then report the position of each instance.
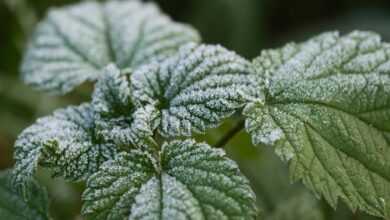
(188, 180)
(195, 89)
(329, 97)
(74, 43)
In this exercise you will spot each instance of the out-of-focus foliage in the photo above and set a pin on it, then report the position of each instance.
(14, 207)
(245, 26)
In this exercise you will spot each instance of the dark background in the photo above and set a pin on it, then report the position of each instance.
(245, 26)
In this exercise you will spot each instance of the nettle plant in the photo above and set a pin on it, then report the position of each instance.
(323, 105)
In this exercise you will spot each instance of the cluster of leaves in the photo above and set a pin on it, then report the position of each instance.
(156, 86)
(322, 104)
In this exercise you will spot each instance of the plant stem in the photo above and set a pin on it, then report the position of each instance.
(230, 134)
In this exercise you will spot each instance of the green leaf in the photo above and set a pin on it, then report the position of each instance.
(195, 89)
(64, 142)
(187, 180)
(73, 43)
(302, 206)
(116, 119)
(327, 112)
(14, 207)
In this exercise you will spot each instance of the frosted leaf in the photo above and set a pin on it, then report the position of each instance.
(112, 95)
(195, 89)
(116, 119)
(15, 207)
(187, 180)
(170, 200)
(64, 142)
(111, 191)
(330, 97)
(73, 43)
(213, 179)
(133, 131)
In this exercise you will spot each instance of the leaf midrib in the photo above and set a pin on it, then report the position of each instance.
(306, 126)
(73, 48)
(319, 133)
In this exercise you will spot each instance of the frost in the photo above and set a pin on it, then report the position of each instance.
(111, 191)
(328, 97)
(177, 201)
(322, 104)
(188, 180)
(15, 207)
(64, 142)
(117, 119)
(195, 89)
(74, 43)
(112, 95)
(136, 132)
(285, 153)
(273, 136)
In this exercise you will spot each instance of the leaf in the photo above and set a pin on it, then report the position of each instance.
(194, 90)
(326, 111)
(188, 180)
(14, 207)
(302, 206)
(112, 95)
(64, 142)
(116, 119)
(74, 43)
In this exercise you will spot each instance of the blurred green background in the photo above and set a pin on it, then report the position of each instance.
(245, 26)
